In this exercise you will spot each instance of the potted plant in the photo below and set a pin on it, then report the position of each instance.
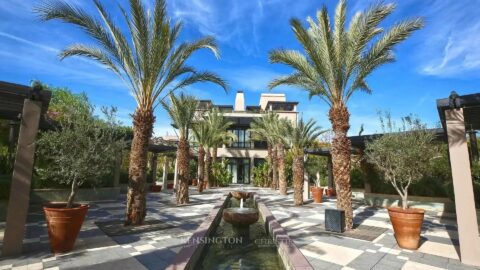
(317, 191)
(81, 149)
(403, 155)
(155, 188)
(331, 192)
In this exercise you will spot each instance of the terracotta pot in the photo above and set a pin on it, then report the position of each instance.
(170, 186)
(64, 225)
(317, 193)
(155, 188)
(407, 225)
(331, 192)
(194, 182)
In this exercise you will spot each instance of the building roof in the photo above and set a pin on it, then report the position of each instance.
(12, 97)
(470, 105)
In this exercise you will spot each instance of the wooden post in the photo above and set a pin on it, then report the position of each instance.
(21, 179)
(154, 168)
(468, 234)
(165, 174)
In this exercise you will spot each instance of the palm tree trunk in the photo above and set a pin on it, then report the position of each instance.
(298, 171)
(142, 132)
(270, 165)
(183, 156)
(339, 117)
(208, 168)
(274, 168)
(281, 169)
(201, 167)
(214, 154)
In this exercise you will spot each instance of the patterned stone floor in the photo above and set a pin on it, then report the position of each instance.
(156, 249)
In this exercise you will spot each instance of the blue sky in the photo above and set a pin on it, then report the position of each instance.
(442, 57)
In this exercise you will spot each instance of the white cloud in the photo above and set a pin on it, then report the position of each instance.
(451, 39)
(253, 78)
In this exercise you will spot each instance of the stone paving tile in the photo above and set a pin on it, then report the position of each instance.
(154, 250)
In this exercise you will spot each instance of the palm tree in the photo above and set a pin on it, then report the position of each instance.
(182, 113)
(280, 129)
(300, 137)
(219, 134)
(335, 64)
(261, 130)
(149, 63)
(201, 133)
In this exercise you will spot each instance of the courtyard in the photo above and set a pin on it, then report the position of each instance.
(154, 247)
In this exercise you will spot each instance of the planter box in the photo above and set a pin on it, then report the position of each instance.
(41, 196)
(335, 220)
(427, 203)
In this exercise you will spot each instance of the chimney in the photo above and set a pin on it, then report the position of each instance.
(239, 102)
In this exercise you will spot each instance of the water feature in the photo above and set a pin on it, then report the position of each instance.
(240, 240)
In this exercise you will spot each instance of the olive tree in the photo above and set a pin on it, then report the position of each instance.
(402, 154)
(81, 148)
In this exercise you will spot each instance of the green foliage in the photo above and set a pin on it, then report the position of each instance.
(403, 155)
(182, 113)
(289, 168)
(82, 149)
(146, 57)
(221, 174)
(260, 174)
(5, 181)
(336, 60)
(476, 182)
(316, 164)
(357, 177)
(62, 102)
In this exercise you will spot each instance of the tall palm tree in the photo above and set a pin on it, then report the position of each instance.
(182, 113)
(201, 132)
(146, 59)
(219, 135)
(280, 129)
(300, 137)
(261, 130)
(335, 64)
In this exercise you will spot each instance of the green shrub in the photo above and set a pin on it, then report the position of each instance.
(81, 150)
(220, 173)
(403, 155)
(260, 175)
(5, 181)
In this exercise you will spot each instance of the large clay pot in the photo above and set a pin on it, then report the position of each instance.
(169, 185)
(64, 225)
(407, 225)
(331, 192)
(317, 193)
(194, 182)
(155, 188)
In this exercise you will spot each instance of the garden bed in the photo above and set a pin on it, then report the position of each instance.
(87, 194)
(428, 203)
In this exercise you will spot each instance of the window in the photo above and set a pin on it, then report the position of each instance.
(242, 138)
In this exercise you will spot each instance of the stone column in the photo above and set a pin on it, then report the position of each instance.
(175, 174)
(21, 179)
(306, 183)
(154, 168)
(462, 183)
(165, 174)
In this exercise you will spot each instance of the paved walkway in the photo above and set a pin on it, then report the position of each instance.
(155, 250)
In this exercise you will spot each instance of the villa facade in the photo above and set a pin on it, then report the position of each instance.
(244, 153)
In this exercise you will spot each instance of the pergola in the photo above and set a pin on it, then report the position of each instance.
(26, 105)
(461, 115)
